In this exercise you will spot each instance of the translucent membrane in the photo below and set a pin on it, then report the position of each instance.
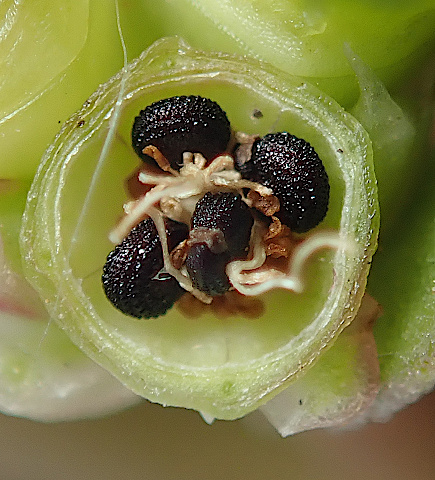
(225, 367)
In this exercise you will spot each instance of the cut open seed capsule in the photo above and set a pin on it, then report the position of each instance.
(223, 368)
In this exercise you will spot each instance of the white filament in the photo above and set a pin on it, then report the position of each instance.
(192, 179)
(245, 278)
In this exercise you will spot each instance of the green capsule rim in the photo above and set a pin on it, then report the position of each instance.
(234, 388)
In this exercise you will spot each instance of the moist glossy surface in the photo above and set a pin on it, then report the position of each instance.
(292, 169)
(182, 124)
(133, 279)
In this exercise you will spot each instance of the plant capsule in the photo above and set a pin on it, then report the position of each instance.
(182, 124)
(292, 169)
(221, 228)
(133, 277)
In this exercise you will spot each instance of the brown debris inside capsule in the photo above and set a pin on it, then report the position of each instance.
(232, 303)
(266, 204)
(279, 240)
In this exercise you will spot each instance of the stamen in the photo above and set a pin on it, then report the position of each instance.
(139, 211)
(183, 280)
(193, 179)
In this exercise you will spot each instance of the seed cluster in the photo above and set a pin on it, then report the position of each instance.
(202, 198)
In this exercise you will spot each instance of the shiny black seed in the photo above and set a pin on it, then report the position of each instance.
(221, 229)
(293, 170)
(182, 124)
(207, 270)
(133, 276)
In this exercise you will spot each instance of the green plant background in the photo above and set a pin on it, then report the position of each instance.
(402, 276)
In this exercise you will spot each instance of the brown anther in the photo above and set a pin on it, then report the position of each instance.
(276, 250)
(178, 254)
(266, 204)
(276, 228)
(158, 156)
(278, 240)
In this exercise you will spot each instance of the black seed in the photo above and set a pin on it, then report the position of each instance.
(207, 270)
(133, 278)
(182, 124)
(293, 170)
(221, 229)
